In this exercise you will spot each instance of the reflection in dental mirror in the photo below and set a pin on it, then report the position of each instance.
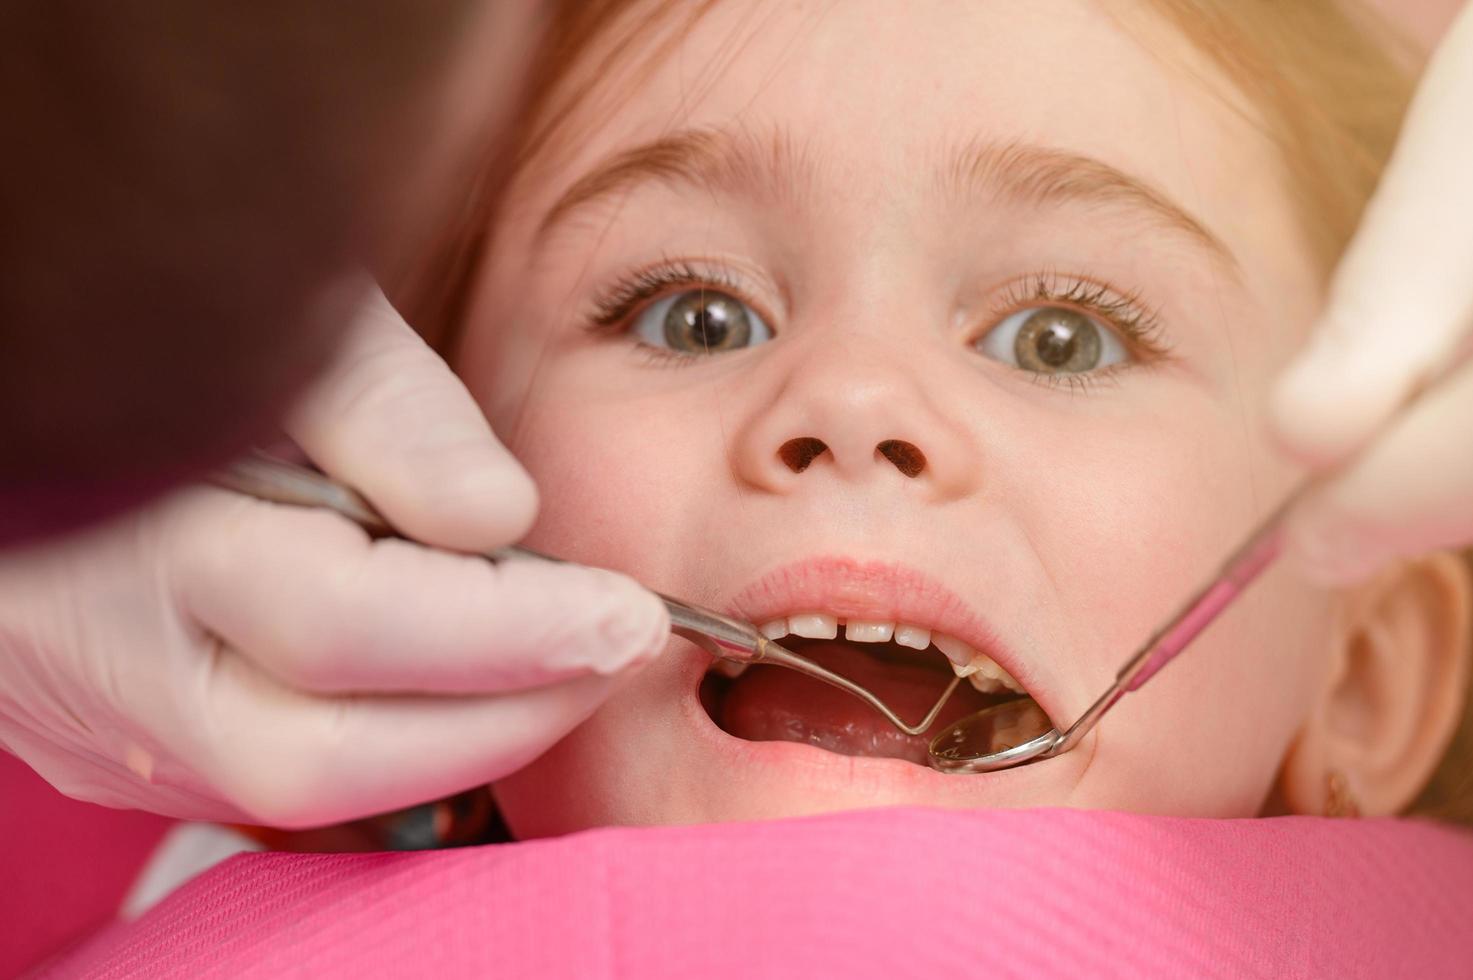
(998, 737)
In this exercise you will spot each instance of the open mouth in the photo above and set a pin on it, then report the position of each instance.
(905, 665)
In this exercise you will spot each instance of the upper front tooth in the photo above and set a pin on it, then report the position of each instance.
(957, 651)
(814, 626)
(775, 630)
(860, 631)
(915, 637)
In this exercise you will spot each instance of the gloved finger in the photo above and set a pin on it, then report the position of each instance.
(391, 419)
(322, 607)
(91, 777)
(1408, 494)
(289, 759)
(1401, 301)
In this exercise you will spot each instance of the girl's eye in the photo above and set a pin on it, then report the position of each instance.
(1053, 340)
(700, 321)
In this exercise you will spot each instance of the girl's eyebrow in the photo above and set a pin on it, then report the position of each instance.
(1045, 176)
(736, 163)
(729, 161)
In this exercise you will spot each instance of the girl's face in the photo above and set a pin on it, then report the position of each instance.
(950, 316)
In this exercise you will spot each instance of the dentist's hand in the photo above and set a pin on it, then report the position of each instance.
(222, 658)
(1400, 312)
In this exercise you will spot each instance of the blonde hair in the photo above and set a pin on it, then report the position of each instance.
(1328, 81)
(1331, 85)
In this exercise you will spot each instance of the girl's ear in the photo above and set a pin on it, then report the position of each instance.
(1394, 692)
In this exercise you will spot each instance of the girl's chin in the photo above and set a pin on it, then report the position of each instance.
(653, 755)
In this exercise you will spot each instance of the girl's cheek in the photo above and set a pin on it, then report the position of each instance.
(1127, 515)
(613, 479)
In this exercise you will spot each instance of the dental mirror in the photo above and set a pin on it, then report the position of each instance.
(999, 737)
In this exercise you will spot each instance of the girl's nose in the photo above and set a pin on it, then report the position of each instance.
(864, 416)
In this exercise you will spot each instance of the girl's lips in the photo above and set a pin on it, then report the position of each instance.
(770, 777)
(852, 589)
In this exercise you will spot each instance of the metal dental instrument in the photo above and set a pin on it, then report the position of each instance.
(1016, 732)
(266, 478)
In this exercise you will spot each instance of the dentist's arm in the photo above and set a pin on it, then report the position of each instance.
(1400, 312)
(222, 658)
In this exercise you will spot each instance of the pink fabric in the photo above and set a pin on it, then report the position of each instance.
(876, 894)
(64, 865)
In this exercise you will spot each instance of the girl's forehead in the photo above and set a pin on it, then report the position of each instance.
(880, 79)
(868, 97)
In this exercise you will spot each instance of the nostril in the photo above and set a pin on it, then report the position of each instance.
(797, 454)
(906, 456)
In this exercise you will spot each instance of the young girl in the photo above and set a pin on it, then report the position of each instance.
(943, 332)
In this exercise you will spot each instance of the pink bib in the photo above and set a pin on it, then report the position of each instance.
(888, 893)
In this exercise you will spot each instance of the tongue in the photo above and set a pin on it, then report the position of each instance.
(773, 704)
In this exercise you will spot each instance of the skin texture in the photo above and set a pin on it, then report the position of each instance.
(1068, 519)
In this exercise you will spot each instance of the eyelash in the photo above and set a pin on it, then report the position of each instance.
(1137, 323)
(613, 309)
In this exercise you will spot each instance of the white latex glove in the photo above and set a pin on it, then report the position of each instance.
(221, 658)
(1400, 311)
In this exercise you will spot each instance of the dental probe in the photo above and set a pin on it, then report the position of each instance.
(276, 481)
